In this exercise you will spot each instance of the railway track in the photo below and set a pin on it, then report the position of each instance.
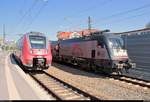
(132, 80)
(59, 89)
(124, 78)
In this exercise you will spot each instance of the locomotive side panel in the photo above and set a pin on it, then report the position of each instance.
(85, 49)
(102, 51)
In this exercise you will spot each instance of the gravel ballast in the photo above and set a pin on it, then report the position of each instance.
(102, 87)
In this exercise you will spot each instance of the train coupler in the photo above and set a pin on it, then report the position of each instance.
(129, 65)
(39, 62)
(119, 68)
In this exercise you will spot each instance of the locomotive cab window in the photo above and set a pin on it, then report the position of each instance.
(116, 43)
(38, 42)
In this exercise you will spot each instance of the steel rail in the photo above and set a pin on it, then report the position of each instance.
(69, 86)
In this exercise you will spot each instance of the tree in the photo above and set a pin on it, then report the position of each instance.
(148, 25)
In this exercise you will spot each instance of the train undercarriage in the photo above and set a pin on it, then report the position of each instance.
(37, 64)
(104, 66)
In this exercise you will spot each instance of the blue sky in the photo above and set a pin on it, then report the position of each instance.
(51, 16)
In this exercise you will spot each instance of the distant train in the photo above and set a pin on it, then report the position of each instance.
(34, 51)
(99, 51)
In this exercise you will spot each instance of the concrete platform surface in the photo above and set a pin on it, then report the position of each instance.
(17, 85)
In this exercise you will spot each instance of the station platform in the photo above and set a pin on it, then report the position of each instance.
(17, 85)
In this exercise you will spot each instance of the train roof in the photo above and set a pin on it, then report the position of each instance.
(35, 33)
(86, 38)
(93, 35)
(99, 36)
(133, 31)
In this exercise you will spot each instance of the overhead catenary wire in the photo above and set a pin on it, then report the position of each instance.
(80, 13)
(27, 12)
(119, 14)
(105, 2)
(125, 19)
(124, 12)
(36, 15)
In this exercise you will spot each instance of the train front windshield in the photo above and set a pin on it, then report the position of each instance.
(117, 47)
(38, 42)
(116, 43)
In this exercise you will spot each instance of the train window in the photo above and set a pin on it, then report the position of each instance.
(38, 42)
(116, 43)
(19, 44)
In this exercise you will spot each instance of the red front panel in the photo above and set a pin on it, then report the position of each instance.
(28, 54)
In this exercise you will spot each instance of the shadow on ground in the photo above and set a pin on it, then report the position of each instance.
(65, 67)
(76, 71)
(14, 61)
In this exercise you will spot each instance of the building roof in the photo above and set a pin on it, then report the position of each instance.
(133, 31)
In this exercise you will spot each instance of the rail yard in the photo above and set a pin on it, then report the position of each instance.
(53, 58)
(67, 79)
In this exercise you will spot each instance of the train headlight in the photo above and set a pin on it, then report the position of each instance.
(46, 51)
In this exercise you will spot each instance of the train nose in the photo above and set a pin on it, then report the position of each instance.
(39, 51)
(39, 62)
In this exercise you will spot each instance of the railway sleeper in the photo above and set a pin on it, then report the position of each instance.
(73, 97)
(66, 94)
(63, 91)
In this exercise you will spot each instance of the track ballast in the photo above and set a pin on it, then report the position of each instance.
(122, 78)
(59, 89)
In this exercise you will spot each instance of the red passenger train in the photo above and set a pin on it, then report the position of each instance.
(34, 51)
